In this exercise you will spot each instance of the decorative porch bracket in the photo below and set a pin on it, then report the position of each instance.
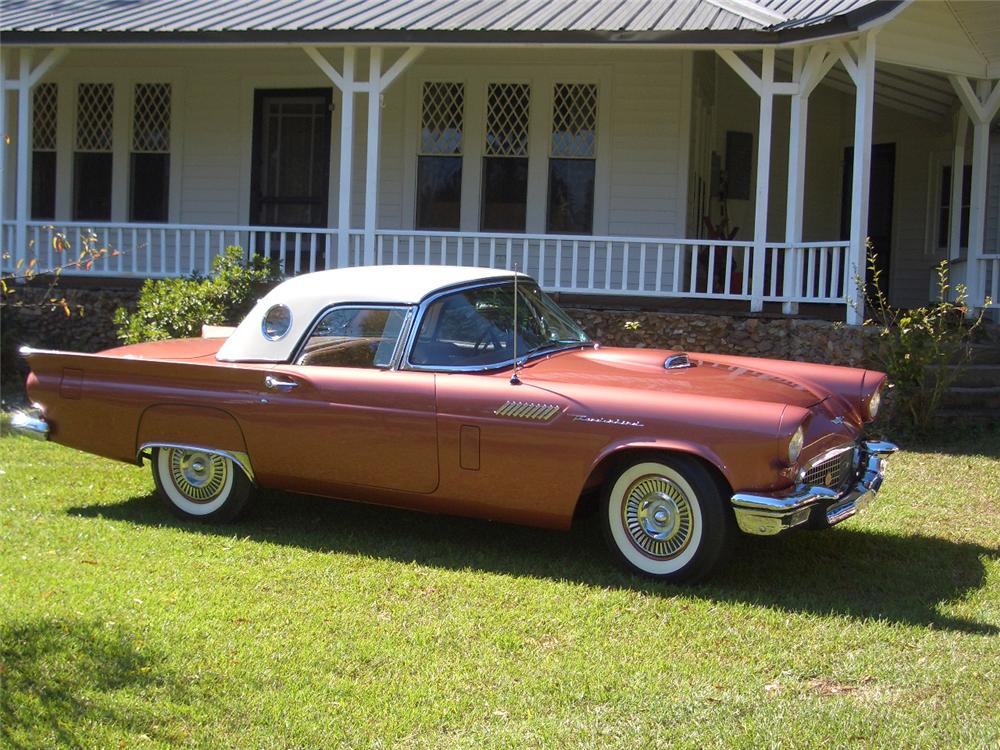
(28, 76)
(981, 106)
(378, 82)
(809, 66)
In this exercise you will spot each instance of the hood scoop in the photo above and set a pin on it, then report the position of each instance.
(677, 362)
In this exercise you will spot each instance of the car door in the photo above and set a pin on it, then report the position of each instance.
(341, 417)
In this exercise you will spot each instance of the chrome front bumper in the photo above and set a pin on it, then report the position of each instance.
(30, 424)
(768, 514)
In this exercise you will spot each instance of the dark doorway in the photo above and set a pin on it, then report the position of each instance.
(883, 174)
(290, 177)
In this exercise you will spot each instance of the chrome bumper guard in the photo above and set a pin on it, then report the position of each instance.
(30, 424)
(765, 515)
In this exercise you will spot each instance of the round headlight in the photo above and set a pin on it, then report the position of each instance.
(873, 403)
(277, 321)
(795, 445)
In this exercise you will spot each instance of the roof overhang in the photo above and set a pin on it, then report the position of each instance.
(834, 26)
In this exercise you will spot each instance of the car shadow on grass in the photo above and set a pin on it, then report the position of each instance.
(63, 677)
(845, 571)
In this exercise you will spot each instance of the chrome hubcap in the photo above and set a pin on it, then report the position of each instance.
(658, 516)
(198, 475)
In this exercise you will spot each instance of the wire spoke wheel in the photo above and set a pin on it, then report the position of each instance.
(664, 516)
(198, 475)
(199, 483)
(658, 516)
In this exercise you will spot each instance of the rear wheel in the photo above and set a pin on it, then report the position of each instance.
(199, 484)
(665, 517)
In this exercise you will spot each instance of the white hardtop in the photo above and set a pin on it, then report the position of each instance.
(308, 294)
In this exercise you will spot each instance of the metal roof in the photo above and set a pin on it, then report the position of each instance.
(429, 20)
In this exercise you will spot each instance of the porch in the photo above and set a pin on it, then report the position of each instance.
(644, 129)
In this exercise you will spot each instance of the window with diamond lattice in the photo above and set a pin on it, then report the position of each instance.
(44, 104)
(572, 159)
(149, 164)
(92, 160)
(505, 158)
(439, 160)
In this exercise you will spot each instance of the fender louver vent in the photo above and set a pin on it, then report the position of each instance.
(526, 410)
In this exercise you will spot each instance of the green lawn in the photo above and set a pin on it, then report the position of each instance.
(316, 623)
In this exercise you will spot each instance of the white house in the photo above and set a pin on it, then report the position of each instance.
(722, 149)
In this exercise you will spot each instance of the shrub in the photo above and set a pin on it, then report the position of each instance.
(922, 349)
(177, 308)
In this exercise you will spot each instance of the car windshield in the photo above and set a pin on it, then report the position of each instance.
(474, 327)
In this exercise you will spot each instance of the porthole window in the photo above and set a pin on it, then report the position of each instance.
(277, 321)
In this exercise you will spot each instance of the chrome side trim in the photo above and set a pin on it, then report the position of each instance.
(30, 423)
(239, 458)
(768, 514)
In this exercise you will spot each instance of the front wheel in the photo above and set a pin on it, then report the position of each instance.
(200, 485)
(665, 517)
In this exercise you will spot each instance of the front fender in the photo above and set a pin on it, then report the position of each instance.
(698, 450)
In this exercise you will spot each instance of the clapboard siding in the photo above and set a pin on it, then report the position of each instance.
(638, 166)
(645, 149)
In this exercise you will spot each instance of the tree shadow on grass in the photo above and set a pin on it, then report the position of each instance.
(842, 571)
(62, 676)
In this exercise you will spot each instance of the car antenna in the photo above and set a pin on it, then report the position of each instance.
(514, 379)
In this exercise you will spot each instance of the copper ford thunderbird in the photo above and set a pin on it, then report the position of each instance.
(468, 391)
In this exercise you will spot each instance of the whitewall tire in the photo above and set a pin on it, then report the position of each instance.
(664, 516)
(199, 484)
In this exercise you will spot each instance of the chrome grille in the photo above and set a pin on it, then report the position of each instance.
(832, 472)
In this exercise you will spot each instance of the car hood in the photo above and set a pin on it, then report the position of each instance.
(642, 370)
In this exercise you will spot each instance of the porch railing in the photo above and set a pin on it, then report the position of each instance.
(608, 266)
(168, 250)
(636, 266)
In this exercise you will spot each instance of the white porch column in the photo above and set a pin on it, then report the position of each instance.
(982, 105)
(27, 78)
(764, 133)
(346, 158)
(807, 72)
(23, 144)
(371, 164)
(797, 126)
(377, 84)
(863, 72)
(957, 178)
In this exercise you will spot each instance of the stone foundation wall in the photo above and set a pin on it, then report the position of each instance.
(92, 329)
(89, 328)
(778, 338)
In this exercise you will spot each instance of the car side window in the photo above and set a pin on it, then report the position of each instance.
(354, 337)
(470, 328)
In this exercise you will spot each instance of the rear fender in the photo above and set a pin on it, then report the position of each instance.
(176, 425)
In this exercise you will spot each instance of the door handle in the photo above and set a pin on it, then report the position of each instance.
(278, 384)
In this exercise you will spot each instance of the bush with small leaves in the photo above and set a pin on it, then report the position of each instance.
(922, 349)
(178, 308)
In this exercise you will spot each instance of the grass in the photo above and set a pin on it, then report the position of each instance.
(316, 623)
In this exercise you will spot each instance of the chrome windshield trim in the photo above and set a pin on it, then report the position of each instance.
(411, 341)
